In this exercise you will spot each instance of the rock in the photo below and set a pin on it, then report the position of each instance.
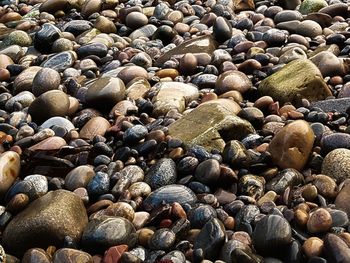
(18, 37)
(68, 255)
(55, 103)
(336, 249)
(58, 121)
(211, 238)
(336, 164)
(328, 63)
(291, 147)
(78, 177)
(95, 126)
(104, 232)
(243, 5)
(173, 95)
(286, 178)
(46, 79)
(114, 253)
(313, 247)
(51, 6)
(331, 105)
(97, 49)
(342, 200)
(135, 134)
(144, 31)
(169, 194)
(45, 37)
(136, 20)
(90, 6)
(298, 79)
(312, 6)
(131, 72)
(105, 92)
(5, 61)
(36, 255)
(214, 123)
(334, 141)
(60, 61)
(309, 28)
(162, 173)
(233, 80)
(272, 235)
(222, 29)
(208, 172)
(46, 221)
(319, 221)
(105, 25)
(204, 44)
(24, 81)
(10, 168)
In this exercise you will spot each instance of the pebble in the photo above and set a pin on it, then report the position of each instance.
(319, 221)
(291, 147)
(46, 221)
(105, 232)
(335, 164)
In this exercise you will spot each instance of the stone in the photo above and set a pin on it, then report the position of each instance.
(319, 221)
(328, 64)
(144, 31)
(105, 92)
(342, 200)
(336, 164)
(131, 72)
(78, 177)
(312, 6)
(51, 6)
(173, 95)
(104, 232)
(18, 37)
(45, 37)
(10, 168)
(60, 61)
(114, 254)
(336, 249)
(308, 28)
(95, 126)
(233, 80)
(333, 105)
(136, 20)
(243, 5)
(91, 6)
(291, 147)
(46, 79)
(161, 173)
(313, 247)
(69, 255)
(46, 221)
(24, 81)
(222, 29)
(58, 121)
(215, 124)
(298, 79)
(105, 25)
(5, 61)
(211, 238)
(36, 255)
(205, 44)
(55, 103)
(272, 234)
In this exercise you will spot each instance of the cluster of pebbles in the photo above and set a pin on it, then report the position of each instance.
(174, 131)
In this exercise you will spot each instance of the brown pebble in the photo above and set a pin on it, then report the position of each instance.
(319, 221)
(17, 203)
(144, 236)
(4, 74)
(313, 247)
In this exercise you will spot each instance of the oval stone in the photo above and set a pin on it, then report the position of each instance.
(291, 147)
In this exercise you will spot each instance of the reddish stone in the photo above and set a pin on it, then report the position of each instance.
(113, 254)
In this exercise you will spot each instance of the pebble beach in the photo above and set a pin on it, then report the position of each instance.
(174, 131)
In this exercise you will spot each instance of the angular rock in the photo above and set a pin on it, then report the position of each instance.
(204, 44)
(214, 124)
(46, 221)
(298, 79)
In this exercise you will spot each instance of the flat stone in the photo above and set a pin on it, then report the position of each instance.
(333, 105)
(46, 221)
(173, 95)
(205, 44)
(68, 255)
(214, 124)
(298, 79)
(95, 126)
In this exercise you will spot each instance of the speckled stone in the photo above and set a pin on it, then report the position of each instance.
(336, 164)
